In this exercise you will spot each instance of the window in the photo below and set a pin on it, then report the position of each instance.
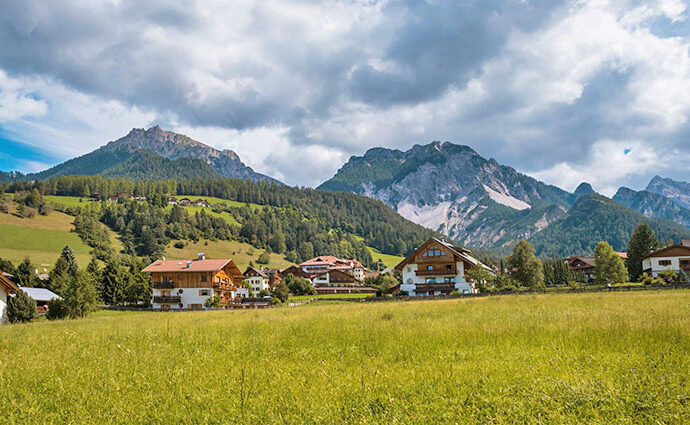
(179, 277)
(204, 278)
(664, 262)
(430, 280)
(204, 292)
(429, 267)
(449, 280)
(448, 267)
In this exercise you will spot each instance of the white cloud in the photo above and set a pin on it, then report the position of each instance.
(16, 101)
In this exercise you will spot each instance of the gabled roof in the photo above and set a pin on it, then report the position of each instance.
(459, 252)
(668, 248)
(40, 294)
(9, 286)
(211, 265)
(587, 260)
(255, 270)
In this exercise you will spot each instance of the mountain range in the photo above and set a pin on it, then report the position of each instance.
(153, 154)
(479, 202)
(445, 187)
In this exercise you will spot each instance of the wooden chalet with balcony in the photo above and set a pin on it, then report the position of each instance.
(187, 284)
(437, 268)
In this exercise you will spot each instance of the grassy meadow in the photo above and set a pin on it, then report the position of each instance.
(40, 238)
(604, 358)
(241, 253)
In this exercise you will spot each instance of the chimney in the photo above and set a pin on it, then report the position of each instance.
(189, 264)
(202, 256)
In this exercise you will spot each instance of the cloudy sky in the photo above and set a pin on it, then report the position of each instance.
(565, 91)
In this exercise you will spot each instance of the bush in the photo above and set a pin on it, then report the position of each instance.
(667, 276)
(264, 293)
(4, 207)
(264, 258)
(213, 302)
(299, 285)
(179, 244)
(682, 278)
(45, 209)
(21, 308)
(56, 309)
(281, 292)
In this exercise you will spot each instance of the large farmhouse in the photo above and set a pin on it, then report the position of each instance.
(188, 284)
(329, 263)
(6, 288)
(674, 257)
(436, 268)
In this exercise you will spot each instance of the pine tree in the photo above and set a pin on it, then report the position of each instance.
(80, 296)
(524, 267)
(71, 260)
(21, 308)
(642, 242)
(26, 273)
(608, 266)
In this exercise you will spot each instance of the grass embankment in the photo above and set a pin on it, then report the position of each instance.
(241, 253)
(40, 238)
(327, 296)
(619, 358)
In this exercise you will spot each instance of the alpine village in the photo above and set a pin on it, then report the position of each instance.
(158, 221)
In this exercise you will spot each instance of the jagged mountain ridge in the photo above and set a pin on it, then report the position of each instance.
(678, 192)
(596, 218)
(653, 205)
(453, 189)
(171, 146)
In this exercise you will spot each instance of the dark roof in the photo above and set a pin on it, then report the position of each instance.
(668, 248)
(255, 270)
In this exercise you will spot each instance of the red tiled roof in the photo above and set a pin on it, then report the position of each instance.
(324, 259)
(181, 265)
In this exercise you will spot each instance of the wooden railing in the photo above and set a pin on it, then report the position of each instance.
(436, 272)
(163, 285)
(167, 300)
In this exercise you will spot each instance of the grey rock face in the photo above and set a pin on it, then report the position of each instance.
(175, 146)
(678, 192)
(653, 205)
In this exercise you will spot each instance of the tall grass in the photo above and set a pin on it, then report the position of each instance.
(619, 358)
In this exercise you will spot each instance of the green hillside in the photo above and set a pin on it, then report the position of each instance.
(596, 218)
(40, 238)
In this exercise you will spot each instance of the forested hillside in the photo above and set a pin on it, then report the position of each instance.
(596, 218)
(298, 223)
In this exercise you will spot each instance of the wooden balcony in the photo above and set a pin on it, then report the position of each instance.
(163, 285)
(434, 287)
(436, 272)
(167, 300)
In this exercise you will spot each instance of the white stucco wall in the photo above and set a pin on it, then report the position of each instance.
(653, 264)
(410, 279)
(257, 283)
(3, 305)
(188, 296)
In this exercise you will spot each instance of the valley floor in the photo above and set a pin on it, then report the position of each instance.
(572, 358)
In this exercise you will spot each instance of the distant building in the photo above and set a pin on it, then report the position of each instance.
(437, 268)
(257, 279)
(172, 200)
(318, 265)
(585, 265)
(335, 278)
(6, 288)
(189, 283)
(674, 257)
(185, 202)
(41, 296)
(200, 203)
(121, 195)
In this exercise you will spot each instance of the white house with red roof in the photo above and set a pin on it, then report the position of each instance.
(187, 284)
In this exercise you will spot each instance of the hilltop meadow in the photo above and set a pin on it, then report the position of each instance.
(619, 358)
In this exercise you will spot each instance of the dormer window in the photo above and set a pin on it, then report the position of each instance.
(434, 251)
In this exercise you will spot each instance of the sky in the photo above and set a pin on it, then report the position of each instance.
(565, 91)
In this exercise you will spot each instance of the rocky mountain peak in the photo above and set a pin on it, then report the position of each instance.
(584, 189)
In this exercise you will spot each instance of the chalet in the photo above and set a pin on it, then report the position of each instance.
(200, 203)
(172, 200)
(121, 195)
(185, 202)
(437, 268)
(274, 276)
(335, 278)
(41, 296)
(6, 289)
(188, 284)
(318, 265)
(674, 257)
(257, 279)
(297, 272)
(585, 265)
